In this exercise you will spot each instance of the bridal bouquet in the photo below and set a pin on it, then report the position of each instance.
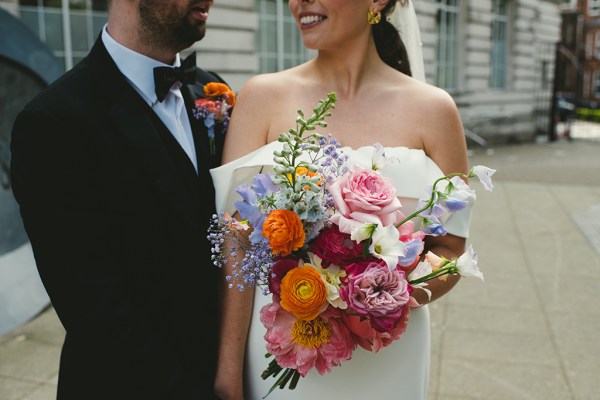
(329, 243)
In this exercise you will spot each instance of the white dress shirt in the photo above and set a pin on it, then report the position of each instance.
(138, 69)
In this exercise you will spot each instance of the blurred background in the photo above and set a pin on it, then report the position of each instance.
(525, 75)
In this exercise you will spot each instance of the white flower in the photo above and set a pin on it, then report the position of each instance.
(386, 245)
(422, 269)
(363, 232)
(331, 276)
(485, 176)
(380, 159)
(459, 196)
(467, 265)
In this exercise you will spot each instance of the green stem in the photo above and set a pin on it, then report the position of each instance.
(431, 199)
(435, 274)
(282, 381)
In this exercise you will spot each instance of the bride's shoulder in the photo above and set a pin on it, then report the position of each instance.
(270, 85)
(425, 94)
(430, 104)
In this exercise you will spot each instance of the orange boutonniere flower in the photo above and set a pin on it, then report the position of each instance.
(216, 90)
(214, 108)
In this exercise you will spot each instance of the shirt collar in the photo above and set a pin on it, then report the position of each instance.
(136, 67)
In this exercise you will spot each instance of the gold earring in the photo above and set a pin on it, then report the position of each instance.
(374, 17)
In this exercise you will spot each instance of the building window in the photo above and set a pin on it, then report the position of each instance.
(499, 44)
(597, 44)
(279, 43)
(589, 46)
(68, 27)
(596, 83)
(594, 7)
(448, 44)
(586, 84)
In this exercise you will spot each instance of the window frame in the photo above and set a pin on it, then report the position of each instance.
(499, 46)
(448, 49)
(286, 32)
(66, 13)
(593, 7)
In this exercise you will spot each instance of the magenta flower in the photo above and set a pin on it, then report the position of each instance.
(378, 294)
(281, 266)
(358, 267)
(321, 343)
(336, 247)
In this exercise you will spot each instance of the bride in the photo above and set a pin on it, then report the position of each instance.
(362, 59)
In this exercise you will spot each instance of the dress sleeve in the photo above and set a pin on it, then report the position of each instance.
(412, 175)
(228, 177)
(458, 223)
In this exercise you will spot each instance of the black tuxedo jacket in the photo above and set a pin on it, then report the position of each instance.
(118, 218)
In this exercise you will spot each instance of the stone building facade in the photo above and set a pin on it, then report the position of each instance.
(505, 62)
(496, 57)
(579, 56)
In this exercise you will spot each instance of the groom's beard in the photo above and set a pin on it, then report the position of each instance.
(168, 26)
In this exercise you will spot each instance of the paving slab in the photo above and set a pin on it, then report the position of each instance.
(527, 333)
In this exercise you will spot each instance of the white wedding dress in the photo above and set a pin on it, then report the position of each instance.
(399, 371)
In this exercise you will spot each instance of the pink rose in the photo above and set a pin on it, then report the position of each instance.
(281, 266)
(364, 196)
(377, 294)
(336, 247)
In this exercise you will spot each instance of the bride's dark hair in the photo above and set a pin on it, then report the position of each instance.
(388, 42)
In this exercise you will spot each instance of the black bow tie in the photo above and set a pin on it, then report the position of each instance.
(165, 77)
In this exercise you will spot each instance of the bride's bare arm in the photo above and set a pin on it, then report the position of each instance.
(445, 144)
(247, 132)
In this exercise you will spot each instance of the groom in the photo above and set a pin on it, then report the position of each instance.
(110, 169)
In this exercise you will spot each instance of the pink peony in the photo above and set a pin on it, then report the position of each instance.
(321, 343)
(336, 247)
(281, 266)
(364, 196)
(378, 294)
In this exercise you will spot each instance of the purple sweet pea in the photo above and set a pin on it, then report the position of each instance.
(413, 250)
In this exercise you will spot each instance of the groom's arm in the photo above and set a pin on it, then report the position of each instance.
(56, 182)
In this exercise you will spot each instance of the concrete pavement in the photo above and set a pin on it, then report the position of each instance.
(527, 333)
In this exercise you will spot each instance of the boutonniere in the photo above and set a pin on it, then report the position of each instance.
(214, 108)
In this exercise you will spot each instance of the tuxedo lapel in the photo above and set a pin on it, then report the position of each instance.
(199, 131)
(130, 115)
(133, 122)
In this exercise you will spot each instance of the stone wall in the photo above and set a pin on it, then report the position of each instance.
(229, 47)
(513, 112)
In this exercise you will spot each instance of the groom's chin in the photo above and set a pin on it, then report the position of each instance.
(191, 34)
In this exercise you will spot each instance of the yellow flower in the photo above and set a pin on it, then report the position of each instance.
(301, 171)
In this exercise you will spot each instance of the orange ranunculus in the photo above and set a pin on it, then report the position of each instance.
(303, 293)
(216, 89)
(284, 230)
